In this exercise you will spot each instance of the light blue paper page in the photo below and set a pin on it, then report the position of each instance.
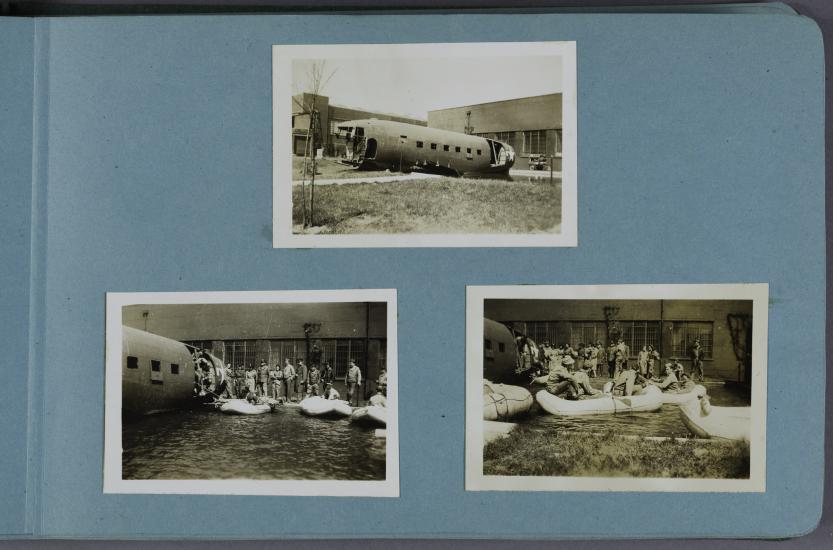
(700, 159)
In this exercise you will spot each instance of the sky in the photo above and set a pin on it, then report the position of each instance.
(413, 86)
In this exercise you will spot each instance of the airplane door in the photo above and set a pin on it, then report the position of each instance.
(370, 151)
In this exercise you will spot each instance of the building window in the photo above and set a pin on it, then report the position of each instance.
(240, 353)
(419, 145)
(535, 142)
(174, 368)
(640, 333)
(434, 146)
(132, 362)
(445, 147)
(456, 149)
(686, 332)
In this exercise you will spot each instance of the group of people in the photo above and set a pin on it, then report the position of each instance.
(283, 383)
(569, 369)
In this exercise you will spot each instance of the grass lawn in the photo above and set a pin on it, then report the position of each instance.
(542, 453)
(434, 205)
(330, 169)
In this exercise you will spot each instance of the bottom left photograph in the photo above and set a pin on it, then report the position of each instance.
(276, 392)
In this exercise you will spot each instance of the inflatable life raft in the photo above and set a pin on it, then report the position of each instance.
(241, 406)
(680, 397)
(318, 406)
(704, 420)
(372, 415)
(501, 401)
(648, 401)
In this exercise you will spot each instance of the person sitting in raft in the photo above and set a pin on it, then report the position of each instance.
(669, 382)
(628, 381)
(563, 383)
(686, 383)
(330, 392)
(378, 399)
(251, 397)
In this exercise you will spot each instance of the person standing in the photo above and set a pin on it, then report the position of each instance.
(697, 360)
(289, 380)
(593, 354)
(642, 361)
(302, 373)
(353, 379)
(276, 381)
(314, 387)
(263, 379)
(653, 360)
(327, 374)
(611, 359)
(251, 380)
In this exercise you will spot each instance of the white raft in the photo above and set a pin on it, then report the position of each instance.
(704, 420)
(318, 406)
(678, 398)
(241, 406)
(501, 401)
(648, 401)
(372, 415)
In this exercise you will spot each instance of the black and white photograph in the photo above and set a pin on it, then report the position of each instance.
(467, 144)
(632, 387)
(283, 393)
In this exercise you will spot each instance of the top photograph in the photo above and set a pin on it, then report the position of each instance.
(424, 145)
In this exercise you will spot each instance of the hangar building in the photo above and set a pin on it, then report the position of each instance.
(531, 125)
(331, 116)
(670, 326)
(245, 334)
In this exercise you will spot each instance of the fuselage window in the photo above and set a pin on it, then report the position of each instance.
(155, 366)
(132, 362)
(468, 150)
(419, 145)
(174, 368)
(456, 149)
(445, 147)
(501, 347)
(487, 344)
(434, 146)
(479, 152)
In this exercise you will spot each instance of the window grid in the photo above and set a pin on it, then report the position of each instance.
(684, 334)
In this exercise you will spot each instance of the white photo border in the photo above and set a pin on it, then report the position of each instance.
(282, 57)
(758, 293)
(113, 482)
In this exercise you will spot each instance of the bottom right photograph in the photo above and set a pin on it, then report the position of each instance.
(616, 387)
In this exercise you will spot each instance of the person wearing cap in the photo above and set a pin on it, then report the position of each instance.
(353, 380)
(330, 392)
(562, 383)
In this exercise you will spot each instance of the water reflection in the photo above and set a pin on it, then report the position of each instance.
(281, 445)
